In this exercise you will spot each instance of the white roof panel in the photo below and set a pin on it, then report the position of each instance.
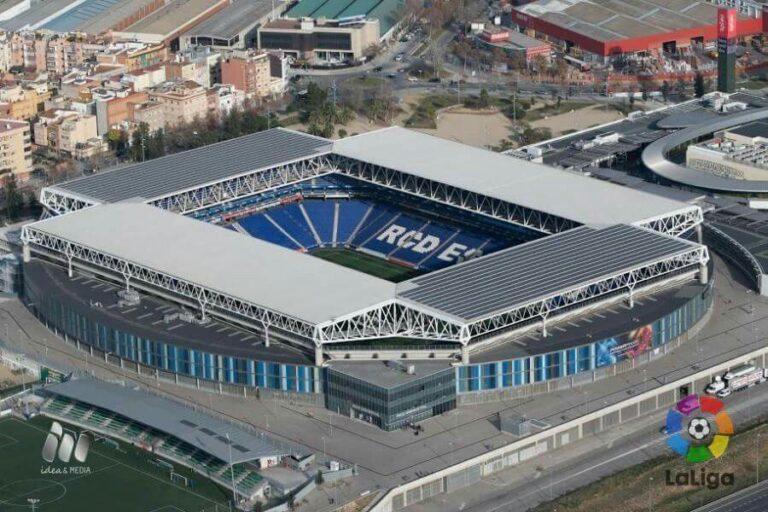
(562, 193)
(258, 272)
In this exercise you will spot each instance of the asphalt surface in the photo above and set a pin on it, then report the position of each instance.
(751, 499)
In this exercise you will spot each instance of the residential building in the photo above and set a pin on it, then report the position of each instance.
(251, 72)
(151, 113)
(200, 65)
(182, 101)
(15, 149)
(20, 103)
(64, 130)
(146, 78)
(114, 107)
(222, 99)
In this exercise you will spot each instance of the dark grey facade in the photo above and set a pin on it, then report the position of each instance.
(391, 402)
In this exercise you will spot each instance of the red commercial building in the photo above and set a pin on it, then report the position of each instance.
(607, 28)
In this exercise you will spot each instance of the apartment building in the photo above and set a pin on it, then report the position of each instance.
(15, 149)
(64, 130)
(21, 103)
(251, 72)
(182, 101)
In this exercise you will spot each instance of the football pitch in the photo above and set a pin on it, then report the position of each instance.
(116, 479)
(366, 263)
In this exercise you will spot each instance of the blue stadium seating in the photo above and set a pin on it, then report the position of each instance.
(387, 245)
(260, 227)
(439, 231)
(350, 214)
(290, 218)
(367, 220)
(320, 213)
(379, 218)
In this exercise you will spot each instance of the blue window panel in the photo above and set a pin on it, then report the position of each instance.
(290, 377)
(261, 374)
(273, 376)
(571, 360)
(489, 376)
(252, 373)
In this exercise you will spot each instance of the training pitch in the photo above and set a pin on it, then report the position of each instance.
(118, 480)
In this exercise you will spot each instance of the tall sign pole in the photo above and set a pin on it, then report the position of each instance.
(726, 49)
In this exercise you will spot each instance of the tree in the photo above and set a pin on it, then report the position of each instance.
(319, 478)
(665, 90)
(699, 86)
(14, 200)
(485, 100)
(681, 88)
(118, 142)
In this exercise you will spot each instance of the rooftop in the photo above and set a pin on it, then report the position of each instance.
(751, 130)
(532, 271)
(95, 16)
(539, 187)
(239, 16)
(387, 374)
(38, 12)
(169, 174)
(609, 20)
(384, 10)
(223, 260)
(205, 432)
(174, 15)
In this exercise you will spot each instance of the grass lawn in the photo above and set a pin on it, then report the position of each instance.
(118, 480)
(552, 109)
(425, 112)
(366, 263)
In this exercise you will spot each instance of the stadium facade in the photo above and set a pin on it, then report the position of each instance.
(207, 266)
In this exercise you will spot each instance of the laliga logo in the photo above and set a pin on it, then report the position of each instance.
(699, 429)
(63, 445)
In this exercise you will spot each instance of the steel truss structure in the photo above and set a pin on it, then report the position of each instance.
(453, 196)
(397, 317)
(629, 282)
(59, 202)
(244, 185)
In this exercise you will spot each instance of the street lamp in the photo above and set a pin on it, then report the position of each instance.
(32, 502)
(757, 458)
(231, 470)
(650, 495)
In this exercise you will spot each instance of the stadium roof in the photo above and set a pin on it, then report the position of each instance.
(220, 259)
(539, 187)
(237, 17)
(529, 272)
(204, 432)
(156, 178)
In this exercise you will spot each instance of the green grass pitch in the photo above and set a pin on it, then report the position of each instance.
(366, 263)
(121, 480)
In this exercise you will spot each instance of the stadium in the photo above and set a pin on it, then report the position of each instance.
(390, 276)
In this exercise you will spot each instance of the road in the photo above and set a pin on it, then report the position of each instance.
(751, 499)
(572, 468)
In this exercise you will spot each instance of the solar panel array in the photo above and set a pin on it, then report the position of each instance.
(537, 269)
(197, 167)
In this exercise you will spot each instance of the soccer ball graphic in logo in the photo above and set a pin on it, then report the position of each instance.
(699, 429)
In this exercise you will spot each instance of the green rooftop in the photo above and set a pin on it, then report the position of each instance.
(386, 11)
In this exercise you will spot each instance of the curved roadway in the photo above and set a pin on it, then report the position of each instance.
(654, 156)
